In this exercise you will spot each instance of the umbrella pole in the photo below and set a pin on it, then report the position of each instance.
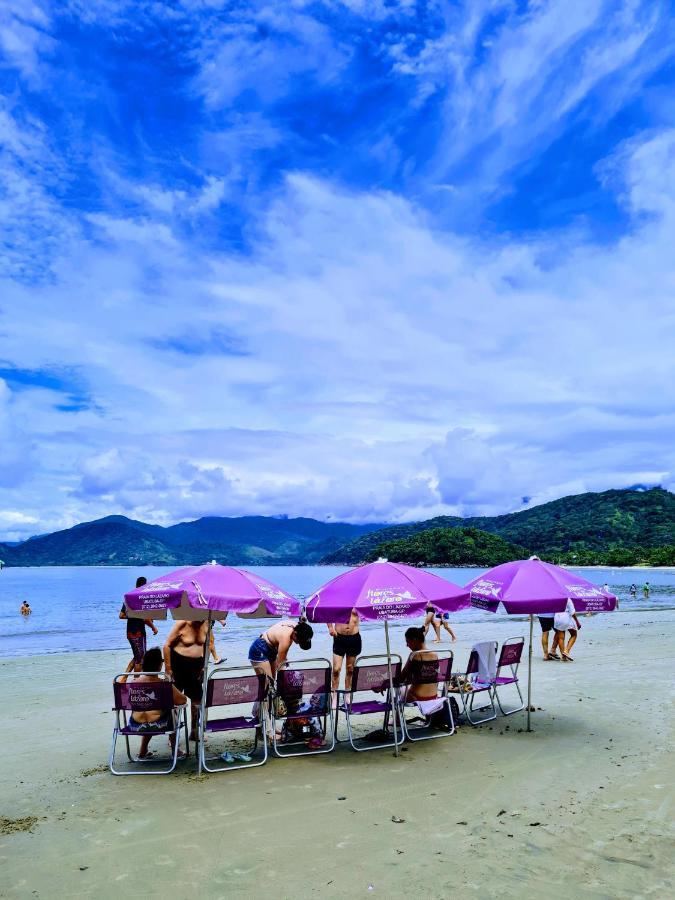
(529, 675)
(202, 705)
(391, 686)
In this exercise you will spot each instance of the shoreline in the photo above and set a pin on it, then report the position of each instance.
(582, 806)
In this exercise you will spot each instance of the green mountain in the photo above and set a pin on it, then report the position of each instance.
(248, 540)
(614, 527)
(449, 547)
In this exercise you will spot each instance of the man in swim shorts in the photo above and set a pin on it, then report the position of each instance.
(546, 623)
(346, 643)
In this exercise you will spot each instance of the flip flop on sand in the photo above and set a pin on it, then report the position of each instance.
(567, 658)
(227, 757)
(147, 756)
(244, 757)
(553, 656)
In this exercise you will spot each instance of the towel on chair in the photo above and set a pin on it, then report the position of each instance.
(429, 707)
(487, 661)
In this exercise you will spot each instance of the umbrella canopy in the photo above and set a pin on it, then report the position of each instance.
(529, 586)
(210, 591)
(381, 591)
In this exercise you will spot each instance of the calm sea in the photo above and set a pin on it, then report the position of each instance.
(77, 608)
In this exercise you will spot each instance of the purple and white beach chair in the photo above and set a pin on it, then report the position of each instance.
(509, 660)
(372, 679)
(480, 674)
(132, 695)
(301, 709)
(246, 690)
(428, 671)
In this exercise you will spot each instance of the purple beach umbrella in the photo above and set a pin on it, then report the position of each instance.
(381, 591)
(205, 593)
(533, 587)
(210, 591)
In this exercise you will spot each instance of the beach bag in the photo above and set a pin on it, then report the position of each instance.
(441, 718)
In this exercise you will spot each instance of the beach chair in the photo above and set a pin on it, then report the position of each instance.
(301, 710)
(479, 678)
(427, 671)
(131, 696)
(371, 679)
(509, 660)
(226, 688)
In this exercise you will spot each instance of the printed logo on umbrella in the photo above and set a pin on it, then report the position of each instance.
(385, 595)
(485, 587)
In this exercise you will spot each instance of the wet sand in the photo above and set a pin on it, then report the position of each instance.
(581, 807)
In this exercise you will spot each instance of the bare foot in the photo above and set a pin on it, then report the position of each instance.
(436, 641)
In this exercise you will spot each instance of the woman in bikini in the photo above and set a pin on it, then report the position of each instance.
(149, 721)
(269, 651)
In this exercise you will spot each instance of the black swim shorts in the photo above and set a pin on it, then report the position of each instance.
(347, 644)
(187, 675)
(546, 623)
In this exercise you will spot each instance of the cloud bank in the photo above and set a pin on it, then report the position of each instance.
(310, 273)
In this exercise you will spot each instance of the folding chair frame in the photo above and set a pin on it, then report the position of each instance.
(506, 680)
(328, 725)
(389, 705)
(259, 726)
(480, 687)
(413, 733)
(179, 718)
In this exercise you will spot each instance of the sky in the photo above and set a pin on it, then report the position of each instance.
(361, 260)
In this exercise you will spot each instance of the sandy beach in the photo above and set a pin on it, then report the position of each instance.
(581, 807)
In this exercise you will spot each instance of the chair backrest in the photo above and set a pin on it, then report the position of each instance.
(511, 653)
(430, 671)
(142, 696)
(234, 689)
(369, 677)
(295, 683)
(483, 661)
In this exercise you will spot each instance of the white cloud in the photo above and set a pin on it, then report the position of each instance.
(392, 371)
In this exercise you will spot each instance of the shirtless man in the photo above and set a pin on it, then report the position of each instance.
(421, 686)
(346, 643)
(269, 651)
(25, 608)
(146, 721)
(184, 662)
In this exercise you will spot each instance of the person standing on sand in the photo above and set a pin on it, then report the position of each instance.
(25, 609)
(645, 590)
(136, 633)
(346, 643)
(269, 651)
(546, 623)
(562, 622)
(184, 662)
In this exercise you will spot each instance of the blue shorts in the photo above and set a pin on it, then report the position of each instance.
(260, 651)
(441, 616)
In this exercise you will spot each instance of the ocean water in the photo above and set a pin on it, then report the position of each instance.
(76, 608)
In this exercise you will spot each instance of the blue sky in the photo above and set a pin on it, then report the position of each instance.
(351, 259)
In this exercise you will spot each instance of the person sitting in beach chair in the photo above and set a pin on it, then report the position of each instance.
(420, 677)
(412, 675)
(153, 721)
